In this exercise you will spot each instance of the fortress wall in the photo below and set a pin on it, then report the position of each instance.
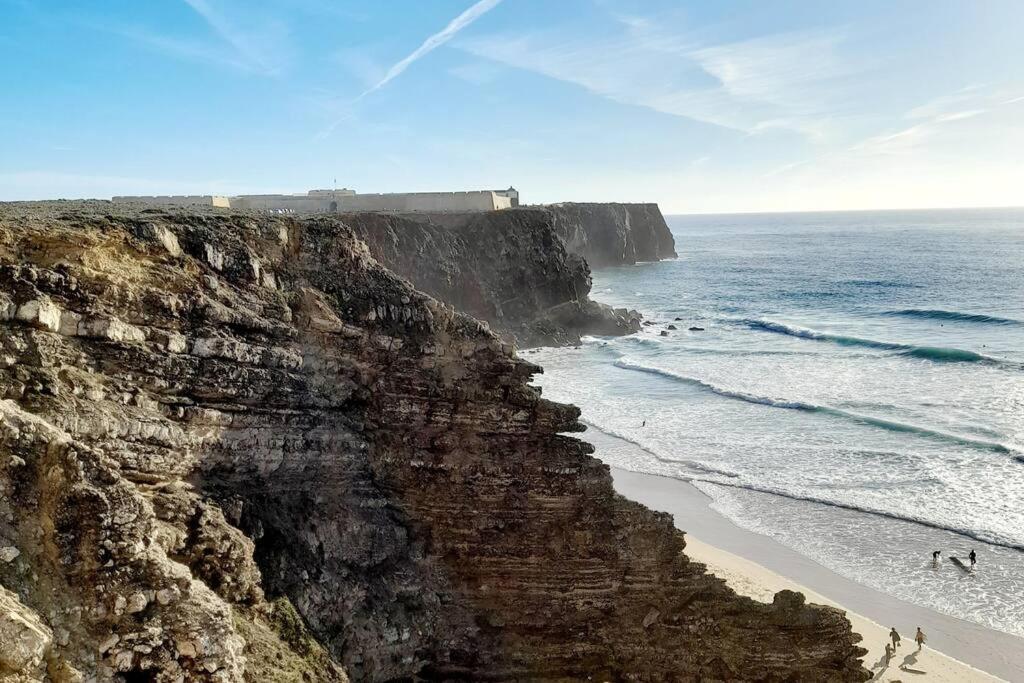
(175, 200)
(344, 200)
(298, 203)
(426, 201)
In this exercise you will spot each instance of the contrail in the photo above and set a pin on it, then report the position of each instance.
(435, 41)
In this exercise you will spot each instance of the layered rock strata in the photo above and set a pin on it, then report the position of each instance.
(237, 447)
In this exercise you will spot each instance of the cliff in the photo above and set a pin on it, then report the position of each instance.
(508, 268)
(237, 447)
(609, 234)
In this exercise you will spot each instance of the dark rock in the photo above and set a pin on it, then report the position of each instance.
(671, 327)
(696, 329)
(664, 333)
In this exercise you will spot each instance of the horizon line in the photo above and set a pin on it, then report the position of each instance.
(758, 212)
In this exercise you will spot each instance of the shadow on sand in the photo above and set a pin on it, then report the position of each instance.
(911, 659)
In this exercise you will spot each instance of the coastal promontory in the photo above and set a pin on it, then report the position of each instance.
(241, 446)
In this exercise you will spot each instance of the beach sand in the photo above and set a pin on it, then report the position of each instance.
(753, 580)
(757, 566)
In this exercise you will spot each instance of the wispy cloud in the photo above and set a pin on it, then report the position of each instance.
(435, 41)
(945, 103)
(258, 48)
(896, 142)
(478, 73)
(252, 49)
(358, 62)
(786, 80)
(178, 48)
(785, 168)
(959, 115)
(932, 118)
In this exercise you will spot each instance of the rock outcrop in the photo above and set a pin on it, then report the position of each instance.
(237, 447)
(508, 268)
(609, 234)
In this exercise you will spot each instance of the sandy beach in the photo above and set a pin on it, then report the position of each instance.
(757, 566)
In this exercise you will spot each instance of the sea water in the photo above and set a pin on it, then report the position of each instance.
(856, 390)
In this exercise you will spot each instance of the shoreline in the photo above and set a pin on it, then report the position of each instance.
(758, 566)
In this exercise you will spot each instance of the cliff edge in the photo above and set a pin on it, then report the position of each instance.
(612, 234)
(508, 268)
(237, 447)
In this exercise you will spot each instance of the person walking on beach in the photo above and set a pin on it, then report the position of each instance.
(888, 653)
(894, 634)
(974, 558)
(919, 637)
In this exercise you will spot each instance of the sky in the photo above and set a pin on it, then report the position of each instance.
(726, 106)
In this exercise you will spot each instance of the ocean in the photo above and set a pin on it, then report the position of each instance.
(856, 390)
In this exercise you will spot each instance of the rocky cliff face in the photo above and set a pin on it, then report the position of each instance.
(237, 447)
(609, 234)
(509, 268)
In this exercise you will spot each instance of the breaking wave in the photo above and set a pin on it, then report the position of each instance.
(977, 535)
(937, 354)
(939, 314)
(731, 480)
(607, 431)
(880, 423)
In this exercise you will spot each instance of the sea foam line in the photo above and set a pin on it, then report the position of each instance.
(890, 425)
(991, 539)
(608, 431)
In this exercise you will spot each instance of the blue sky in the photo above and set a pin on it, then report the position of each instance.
(701, 106)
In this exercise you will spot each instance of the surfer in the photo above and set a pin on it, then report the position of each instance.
(936, 556)
(974, 558)
(894, 634)
(919, 637)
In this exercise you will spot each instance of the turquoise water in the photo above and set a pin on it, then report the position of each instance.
(857, 391)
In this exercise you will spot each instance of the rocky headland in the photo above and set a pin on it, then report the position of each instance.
(508, 268)
(237, 446)
(611, 234)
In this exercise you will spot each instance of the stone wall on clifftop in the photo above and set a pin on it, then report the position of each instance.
(237, 447)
